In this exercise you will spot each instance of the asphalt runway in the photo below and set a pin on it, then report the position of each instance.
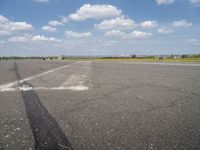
(99, 105)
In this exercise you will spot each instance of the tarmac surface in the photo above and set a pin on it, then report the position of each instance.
(99, 105)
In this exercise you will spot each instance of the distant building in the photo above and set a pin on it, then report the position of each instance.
(61, 57)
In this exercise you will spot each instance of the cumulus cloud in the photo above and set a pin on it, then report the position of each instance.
(55, 23)
(30, 38)
(194, 41)
(7, 27)
(64, 19)
(78, 34)
(18, 39)
(165, 30)
(42, 1)
(195, 2)
(160, 2)
(3, 19)
(116, 23)
(140, 35)
(181, 23)
(42, 38)
(49, 29)
(89, 11)
(18, 26)
(149, 24)
(4, 33)
(116, 33)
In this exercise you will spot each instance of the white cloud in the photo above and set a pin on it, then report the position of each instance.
(117, 23)
(4, 33)
(64, 19)
(194, 41)
(49, 29)
(3, 19)
(35, 38)
(7, 27)
(42, 1)
(42, 38)
(116, 33)
(160, 2)
(181, 23)
(55, 23)
(18, 39)
(149, 24)
(140, 35)
(195, 2)
(89, 11)
(165, 30)
(18, 26)
(78, 34)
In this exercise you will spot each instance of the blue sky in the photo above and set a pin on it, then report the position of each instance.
(99, 27)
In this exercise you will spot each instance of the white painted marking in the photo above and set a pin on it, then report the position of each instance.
(25, 88)
(75, 80)
(78, 80)
(71, 88)
(78, 88)
(7, 87)
(170, 64)
(74, 83)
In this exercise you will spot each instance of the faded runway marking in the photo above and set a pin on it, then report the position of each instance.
(7, 87)
(76, 82)
(71, 88)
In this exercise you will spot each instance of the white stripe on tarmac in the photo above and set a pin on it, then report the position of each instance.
(7, 87)
(80, 77)
(70, 88)
(167, 64)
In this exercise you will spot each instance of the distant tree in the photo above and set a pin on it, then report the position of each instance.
(184, 56)
(133, 56)
(171, 56)
(161, 58)
(196, 56)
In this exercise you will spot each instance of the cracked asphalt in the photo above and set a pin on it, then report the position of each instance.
(128, 106)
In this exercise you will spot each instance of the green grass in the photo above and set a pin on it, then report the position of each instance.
(136, 59)
(196, 58)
